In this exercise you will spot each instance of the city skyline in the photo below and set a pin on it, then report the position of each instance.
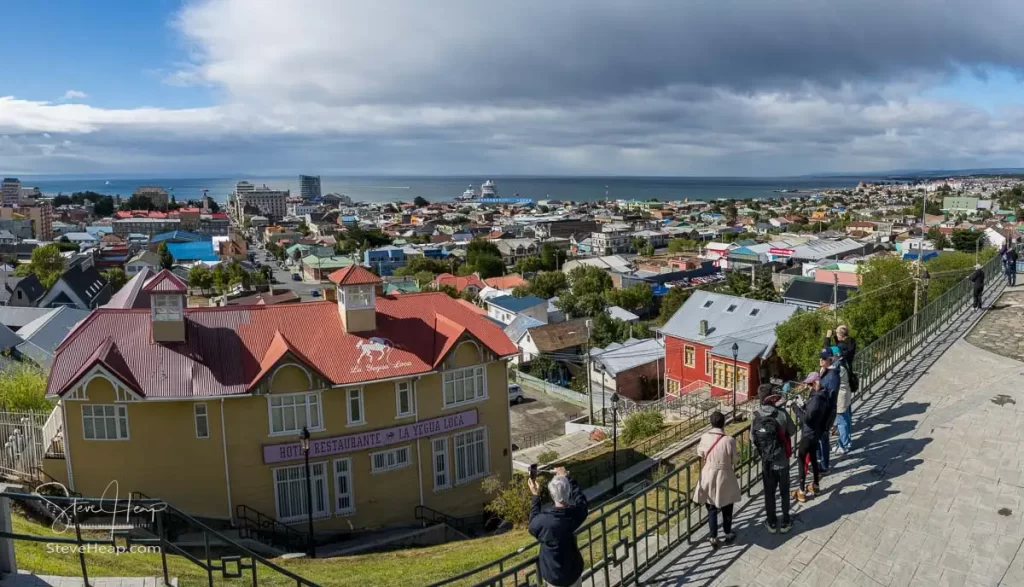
(594, 88)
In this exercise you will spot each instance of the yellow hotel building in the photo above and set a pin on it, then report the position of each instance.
(406, 400)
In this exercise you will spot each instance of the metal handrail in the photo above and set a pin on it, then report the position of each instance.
(269, 530)
(162, 513)
(428, 514)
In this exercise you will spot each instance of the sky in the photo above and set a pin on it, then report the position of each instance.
(179, 88)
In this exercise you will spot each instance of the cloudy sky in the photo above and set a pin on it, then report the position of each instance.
(623, 87)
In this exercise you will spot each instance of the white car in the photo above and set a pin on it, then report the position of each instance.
(515, 394)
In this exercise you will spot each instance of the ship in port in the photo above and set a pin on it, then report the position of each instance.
(488, 194)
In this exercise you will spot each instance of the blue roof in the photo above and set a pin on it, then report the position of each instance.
(195, 251)
(514, 304)
(99, 230)
(178, 235)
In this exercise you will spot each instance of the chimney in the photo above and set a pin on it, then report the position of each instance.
(703, 328)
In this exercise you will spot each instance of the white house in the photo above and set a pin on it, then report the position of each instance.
(144, 260)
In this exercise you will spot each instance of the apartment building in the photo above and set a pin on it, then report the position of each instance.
(309, 187)
(610, 243)
(40, 215)
(155, 194)
(270, 203)
(405, 399)
(10, 191)
(147, 226)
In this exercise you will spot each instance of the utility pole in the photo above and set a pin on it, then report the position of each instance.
(590, 384)
(753, 277)
(835, 297)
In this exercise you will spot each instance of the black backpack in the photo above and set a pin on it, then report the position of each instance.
(767, 436)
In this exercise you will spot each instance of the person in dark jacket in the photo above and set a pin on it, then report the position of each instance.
(846, 345)
(813, 417)
(978, 280)
(775, 474)
(561, 563)
(1011, 267)
(830, 379)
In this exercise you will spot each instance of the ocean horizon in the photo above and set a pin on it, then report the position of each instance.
(447, 188)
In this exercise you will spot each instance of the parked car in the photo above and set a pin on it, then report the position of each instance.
(315, 293)
(515, 394)
(296, 277)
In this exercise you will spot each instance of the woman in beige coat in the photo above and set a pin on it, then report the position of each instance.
(717, 486)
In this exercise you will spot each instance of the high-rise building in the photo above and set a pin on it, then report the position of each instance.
(244, 187)
(40, 215)
(10, 190)
(270, 203)
(309, 187)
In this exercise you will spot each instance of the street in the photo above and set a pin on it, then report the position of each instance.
(283, 277)
(539, 417)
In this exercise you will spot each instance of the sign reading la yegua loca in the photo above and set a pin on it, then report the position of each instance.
(322, 447)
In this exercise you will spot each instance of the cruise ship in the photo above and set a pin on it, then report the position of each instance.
(488, 189)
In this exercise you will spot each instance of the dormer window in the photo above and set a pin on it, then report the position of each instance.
(708, 303)
(731, 308)
(355, 297)
(167, 308)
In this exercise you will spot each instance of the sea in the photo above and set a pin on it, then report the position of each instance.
(446, 188)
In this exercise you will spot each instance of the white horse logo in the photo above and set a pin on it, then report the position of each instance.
(381, 346)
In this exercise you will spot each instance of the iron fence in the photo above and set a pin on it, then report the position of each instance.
(627, 535)
(24, 445)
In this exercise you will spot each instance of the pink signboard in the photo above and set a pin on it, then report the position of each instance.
(781, 252)
(336, 445)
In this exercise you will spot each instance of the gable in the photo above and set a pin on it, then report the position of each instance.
(61, 294)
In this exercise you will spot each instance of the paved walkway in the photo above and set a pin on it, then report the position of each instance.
(27, 580)
(933, 493)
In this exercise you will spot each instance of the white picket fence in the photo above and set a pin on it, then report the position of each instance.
(25, 443)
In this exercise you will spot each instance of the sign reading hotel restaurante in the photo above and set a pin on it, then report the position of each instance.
(335, 445)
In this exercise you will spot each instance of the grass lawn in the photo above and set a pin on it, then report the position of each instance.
(412, 567)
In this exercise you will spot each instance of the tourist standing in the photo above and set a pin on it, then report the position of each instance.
(830, 387)
(561, 564)
(1011, 267)
(813, 415)
(717, 486)
(844, 410)
(772, 433)
(978, 280)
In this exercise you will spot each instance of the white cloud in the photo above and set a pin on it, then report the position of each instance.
(73, 95)
(581, 86)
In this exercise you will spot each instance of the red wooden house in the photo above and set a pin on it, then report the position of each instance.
(701, 336)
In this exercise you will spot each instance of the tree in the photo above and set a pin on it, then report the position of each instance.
(166, 259)
(639, 243)
(636, 298)
(671, 302)
(647, 251)
(61, 200)
(949, 268)
(939, 240)
(104, 206)
(884, 300)
(487, 266)
(678, 245)
(968, 241)
(528, 265)
(200, 276)
(798, 339)
(419, 264)
(23, 388)
(116, 277)
(549, 257)
(47, 265)
(545, 284)
(420, 202)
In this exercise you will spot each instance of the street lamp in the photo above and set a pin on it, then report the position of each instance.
(304, 441)
(615, 444)
(735, 357)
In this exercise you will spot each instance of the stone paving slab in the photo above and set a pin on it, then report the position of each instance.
(933, 493)
(29, 580)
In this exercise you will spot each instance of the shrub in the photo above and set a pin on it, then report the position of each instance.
(546, 457)
(640, 425)
(23, 388)
(511, 502)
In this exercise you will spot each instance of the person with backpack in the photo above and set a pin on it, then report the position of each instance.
(717, 486)
(772, 432)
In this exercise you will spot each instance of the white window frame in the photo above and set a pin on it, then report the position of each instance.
(456, 438)
(459, 375)
(440, 465)
(201, 412)
(320, 489)
(364, 299)
(408, 390)
(348, 406)
(391, 459)
(351, 493)
(288, 431)
(120, 416)
(167, 307)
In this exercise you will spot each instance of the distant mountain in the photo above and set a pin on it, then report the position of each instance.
(923, 173)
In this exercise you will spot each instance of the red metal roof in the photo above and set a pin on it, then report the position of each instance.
(353, 275)
(165, 281)
(229, 349)
(459, 282)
